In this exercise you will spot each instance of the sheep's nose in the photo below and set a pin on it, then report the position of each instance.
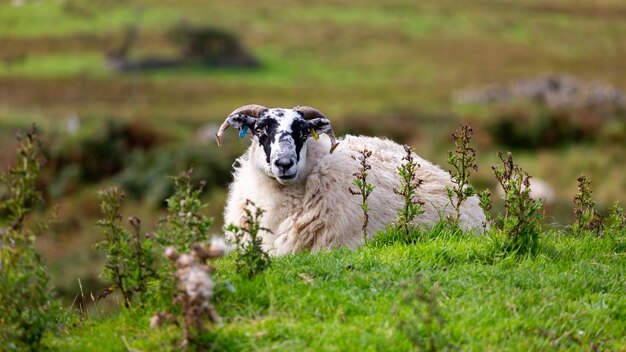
(284, 164)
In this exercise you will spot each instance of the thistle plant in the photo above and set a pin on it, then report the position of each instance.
(184, 223)
(409, 183)
(463, 162)
(363, 188)
(585, 214)
(251, 258)
(615, 223)
(520, 221)
(27, 306)
(195, 288)
(130, 261)
(484, 198)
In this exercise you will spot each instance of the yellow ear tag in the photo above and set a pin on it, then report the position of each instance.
(314, 134)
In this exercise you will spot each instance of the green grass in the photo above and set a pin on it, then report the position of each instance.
(568, 296)
(56, 66)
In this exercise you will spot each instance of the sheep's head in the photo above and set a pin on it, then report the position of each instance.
(282, 134)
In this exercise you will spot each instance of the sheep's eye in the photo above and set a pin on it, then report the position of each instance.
(260, 131)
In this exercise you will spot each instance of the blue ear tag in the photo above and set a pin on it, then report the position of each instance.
(243, 131)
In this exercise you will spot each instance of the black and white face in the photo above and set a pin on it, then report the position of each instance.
(282, 136)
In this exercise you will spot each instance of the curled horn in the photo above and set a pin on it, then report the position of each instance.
(252, 110)
(312, 113)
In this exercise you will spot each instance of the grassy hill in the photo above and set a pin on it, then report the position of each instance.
(380, 68)
(569, 296)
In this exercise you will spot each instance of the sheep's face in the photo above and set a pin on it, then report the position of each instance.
(282, 135)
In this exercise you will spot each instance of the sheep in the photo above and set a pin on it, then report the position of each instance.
(302, 184)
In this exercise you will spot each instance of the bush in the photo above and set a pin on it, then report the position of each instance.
(531, 127)
(27, 307)
(143, 172)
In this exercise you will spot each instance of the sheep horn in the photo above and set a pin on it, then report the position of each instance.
(312, 113)
(252, 110)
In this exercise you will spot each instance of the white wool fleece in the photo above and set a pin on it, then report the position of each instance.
(318, 213)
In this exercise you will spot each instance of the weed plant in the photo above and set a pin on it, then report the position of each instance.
(587, 219)
(463, 162)
(615, 224)
(251, 258)
(184, 223)
(130, 261)
(484, 198)
(409, 183)
(520, 221)
(27, 306)
(195, 290)
(364, 189)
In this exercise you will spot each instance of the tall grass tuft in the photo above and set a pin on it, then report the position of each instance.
(409, 183)
(364, 189)
(27, 305)
(520, 221)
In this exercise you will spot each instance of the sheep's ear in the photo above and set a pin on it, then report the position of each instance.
(320, 125)
(242, 118)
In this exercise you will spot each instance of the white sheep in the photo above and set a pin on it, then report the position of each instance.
(303, 185)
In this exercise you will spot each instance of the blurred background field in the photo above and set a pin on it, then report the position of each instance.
(131, 92)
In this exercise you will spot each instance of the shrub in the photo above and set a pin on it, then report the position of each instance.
(408, 186)
(130, 261)
(520, 221)
(364, 189)
(251, 258)
(27, 307)
(142, 176)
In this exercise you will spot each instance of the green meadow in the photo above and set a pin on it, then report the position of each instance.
(390, 69)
